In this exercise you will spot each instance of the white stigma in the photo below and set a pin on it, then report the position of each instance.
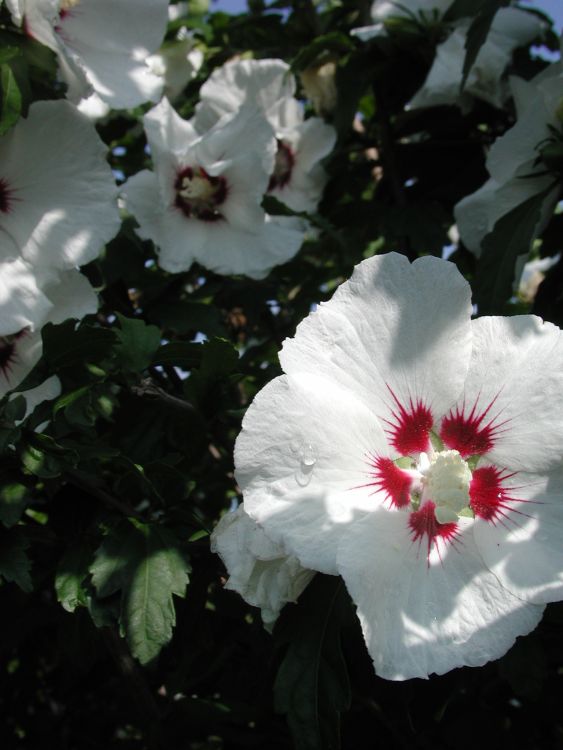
(197, 188)
(446, 482)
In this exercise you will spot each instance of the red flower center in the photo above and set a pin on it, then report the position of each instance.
(283, 166)
(199, 195)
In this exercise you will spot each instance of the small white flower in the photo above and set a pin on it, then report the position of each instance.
(259, 570)
(202, 202)
(100, 44)
(514, 163)
(297, 178)
(418, 454)
(57, 192)
(511, 28)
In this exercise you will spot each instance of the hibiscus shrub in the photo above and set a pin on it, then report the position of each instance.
(180, 189)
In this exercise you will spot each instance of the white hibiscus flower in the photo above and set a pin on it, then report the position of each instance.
(418, 454)
(177, 62)
(517, 171)
(259, 570)
(27, 302)
(511, 28)
(297, 178)
(202, 202)
(100, 44)
(57, 193)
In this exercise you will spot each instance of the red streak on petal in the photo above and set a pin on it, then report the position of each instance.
(488, 498)
(394, 482)
(422, 522)
(410, 428)
(469, 433)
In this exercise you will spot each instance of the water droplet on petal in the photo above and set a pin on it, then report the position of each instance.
(307, 455)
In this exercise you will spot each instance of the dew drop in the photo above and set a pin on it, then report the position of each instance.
(307, 455)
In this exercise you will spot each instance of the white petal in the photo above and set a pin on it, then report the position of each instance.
(393, 325)
(421, 617)
(259, 570)
(523, 548)
(518, 363)
(302, 462)
(262, 83)
(112, 39)
(72, 296)
(64, 208)
(167, 131)
(22, 303)
(27, 352)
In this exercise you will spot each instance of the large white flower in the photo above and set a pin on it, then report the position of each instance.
(202, 202)
(100, 44)
(418, 454)
(511, 28)
(27, 302)
(57, 193)
(297, 178)
(177, 62)
(514, 163)
(259, 570)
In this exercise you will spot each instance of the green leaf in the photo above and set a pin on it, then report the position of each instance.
(179, 354)
(73, 569)
(8, 53)
(14, 562)
(13, 500)
(312, 686)
(145, 563)
(219, 357)
(11, 99)
(334, 41)
(63, 346)
(139, 342)
(511, 236)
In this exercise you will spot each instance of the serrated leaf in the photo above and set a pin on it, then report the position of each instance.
(14, 562)
(312, 685)
(11, 99)
(145, 563)
(511, 236)
(139, 342)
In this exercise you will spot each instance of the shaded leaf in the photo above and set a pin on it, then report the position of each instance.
(312, 685)
(145, 564)
(14, 562)
(11, 99)
(511, 236)
(139, 343)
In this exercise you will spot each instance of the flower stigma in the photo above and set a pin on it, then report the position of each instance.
(199, 195)
(446, 478)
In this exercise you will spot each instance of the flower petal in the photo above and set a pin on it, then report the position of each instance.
(64, 196)
(392, 326)
(524, 548)
(517, 368)
(22, 303)
(423, 616)
(259, 570)
(302, 462)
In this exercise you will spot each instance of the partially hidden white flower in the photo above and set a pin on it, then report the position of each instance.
(382, 11)
(514, 163)
(177, 62)
(203, 201)
(100, 44)
(418, 454)
(57, 192)
(532, 274)
(27, 302)
(511, 28)
(297, 178)
(259, 570)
